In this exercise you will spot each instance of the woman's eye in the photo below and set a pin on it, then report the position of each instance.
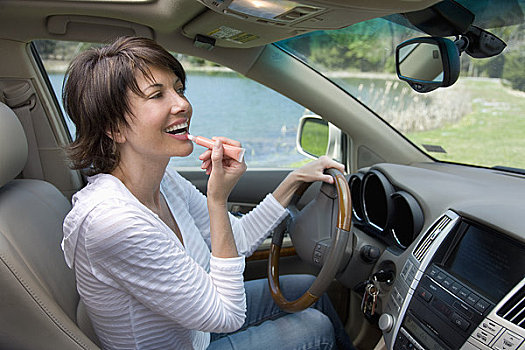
(180, 91)
(155, 96)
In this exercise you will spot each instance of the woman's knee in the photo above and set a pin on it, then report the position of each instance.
(317, 330)
(317, 321)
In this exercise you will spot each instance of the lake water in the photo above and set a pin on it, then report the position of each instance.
(226, 104)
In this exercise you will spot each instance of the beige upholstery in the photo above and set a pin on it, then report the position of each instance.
(39, 304)
(13, 145)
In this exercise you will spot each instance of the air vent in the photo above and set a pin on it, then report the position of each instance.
(425, 243)
(514, 309)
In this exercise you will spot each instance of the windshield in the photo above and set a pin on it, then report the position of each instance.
(480, 120)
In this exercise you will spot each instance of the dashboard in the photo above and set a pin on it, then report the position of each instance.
(455, 240)
(394, 216)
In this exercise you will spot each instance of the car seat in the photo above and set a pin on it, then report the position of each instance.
(39, 304)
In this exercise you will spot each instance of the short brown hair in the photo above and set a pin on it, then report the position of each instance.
(95, 96)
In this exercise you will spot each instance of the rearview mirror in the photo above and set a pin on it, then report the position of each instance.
(427, 63)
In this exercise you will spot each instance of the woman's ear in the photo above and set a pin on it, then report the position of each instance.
(116, 135)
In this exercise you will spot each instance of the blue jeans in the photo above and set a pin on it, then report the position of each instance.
(268, 327)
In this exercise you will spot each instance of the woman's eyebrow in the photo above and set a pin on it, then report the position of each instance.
(160, 85)
(156, 85)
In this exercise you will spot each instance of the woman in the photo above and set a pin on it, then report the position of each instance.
(139, 235)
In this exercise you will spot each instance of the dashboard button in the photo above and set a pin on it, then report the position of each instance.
(482, 305)
(464, 293)
(448, 282)
(398, 298)
(425, 294)
(507, 341)
(433, 287)
(490, 326)
(411, 274)
(386, 322)
(433, 271)
(441, 277)
(472, 299)
(317, 257)
(455, 288)
(482, 336)
(459, 321)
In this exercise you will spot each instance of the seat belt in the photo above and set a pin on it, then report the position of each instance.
(21, 98)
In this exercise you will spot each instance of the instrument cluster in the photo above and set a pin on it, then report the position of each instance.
(384, 211)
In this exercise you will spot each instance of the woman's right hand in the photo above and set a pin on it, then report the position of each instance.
(224, 172)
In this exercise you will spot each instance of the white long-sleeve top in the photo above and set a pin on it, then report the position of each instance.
(142, 288)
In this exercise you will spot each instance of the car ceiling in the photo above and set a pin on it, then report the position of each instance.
(166, 20)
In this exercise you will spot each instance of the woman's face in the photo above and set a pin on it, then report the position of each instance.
(159, 124)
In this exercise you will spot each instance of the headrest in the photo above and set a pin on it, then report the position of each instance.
(13, 145)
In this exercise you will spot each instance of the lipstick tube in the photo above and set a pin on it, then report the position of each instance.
(233, 152)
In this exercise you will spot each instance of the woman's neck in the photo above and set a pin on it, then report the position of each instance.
(143, 181)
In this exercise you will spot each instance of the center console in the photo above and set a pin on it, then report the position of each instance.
(463, 287)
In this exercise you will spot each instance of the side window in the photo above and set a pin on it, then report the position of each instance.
(224, 104)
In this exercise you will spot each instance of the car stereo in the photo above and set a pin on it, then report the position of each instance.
(452, 289)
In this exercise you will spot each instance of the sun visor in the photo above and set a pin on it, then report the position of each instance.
(90, 28)
(250, 23)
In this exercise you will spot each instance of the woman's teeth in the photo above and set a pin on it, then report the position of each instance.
(177, 129)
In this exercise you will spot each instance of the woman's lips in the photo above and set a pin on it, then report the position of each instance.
(178, 126)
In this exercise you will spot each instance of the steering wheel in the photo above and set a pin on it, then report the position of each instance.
(336, 252)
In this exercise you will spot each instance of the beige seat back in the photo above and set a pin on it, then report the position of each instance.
(39, 304)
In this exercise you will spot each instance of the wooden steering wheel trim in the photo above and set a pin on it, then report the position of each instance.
(343, 194)
(343, 225)
(302, 303)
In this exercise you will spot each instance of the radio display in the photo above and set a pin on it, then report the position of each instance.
(489, 262)
(421, 335)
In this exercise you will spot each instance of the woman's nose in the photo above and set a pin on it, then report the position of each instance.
(179, 103)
